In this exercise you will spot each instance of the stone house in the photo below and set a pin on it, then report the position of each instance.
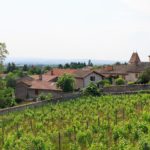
(28, 87)
(82, 76)
(31, 87)
(130, 72)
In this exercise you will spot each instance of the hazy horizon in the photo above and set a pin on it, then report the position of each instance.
(81, 29)
(50, 61)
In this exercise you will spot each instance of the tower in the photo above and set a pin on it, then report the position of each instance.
(135, 59)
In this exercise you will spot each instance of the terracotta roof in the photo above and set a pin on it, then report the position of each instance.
(45, 77)
(38, 84)
(108, 68)
(43, 85)
(78, 73)
(135, 59)
(83, 73)
(125, 69)
(60, 72)
(26, 79)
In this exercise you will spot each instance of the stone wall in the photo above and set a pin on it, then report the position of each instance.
(55, 94)
(126, 88)
(64, 97)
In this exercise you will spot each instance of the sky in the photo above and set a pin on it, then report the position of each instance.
(76, 29)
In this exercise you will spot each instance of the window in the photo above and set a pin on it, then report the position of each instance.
(36, 92)
(92, 78)
(136, 75)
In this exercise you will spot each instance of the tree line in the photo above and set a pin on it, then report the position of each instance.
(75, 65)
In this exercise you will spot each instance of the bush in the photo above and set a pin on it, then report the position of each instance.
(120, 81)
(66, 83)
(131, 83)
(44, 96)
(92, 90)
(144, 77)
(104, 83)
(7, 98)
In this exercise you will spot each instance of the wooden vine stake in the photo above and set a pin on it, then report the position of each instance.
(59, 140)
(74, 128)
(87, 124)
(3, 132)
(141, 106)
(108, 121)
(116, 117)
(98, 120)
(123, 114)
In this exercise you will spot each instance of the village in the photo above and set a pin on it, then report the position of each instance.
(29, 87)
(75, 75)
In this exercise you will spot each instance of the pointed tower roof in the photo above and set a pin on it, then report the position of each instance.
(135, 59)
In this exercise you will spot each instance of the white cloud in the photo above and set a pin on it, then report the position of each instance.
(142, 6)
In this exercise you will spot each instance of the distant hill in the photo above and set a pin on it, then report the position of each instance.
(46, 61)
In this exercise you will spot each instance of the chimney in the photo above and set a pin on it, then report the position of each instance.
(52, 72)
(149, 58)
(108, 68)
(40, 77)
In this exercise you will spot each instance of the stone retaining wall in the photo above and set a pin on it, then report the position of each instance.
(64, 97)
(126, 88)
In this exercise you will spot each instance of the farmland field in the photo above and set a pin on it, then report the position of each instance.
(88, 123)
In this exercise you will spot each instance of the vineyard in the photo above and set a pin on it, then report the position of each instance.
(88, 123)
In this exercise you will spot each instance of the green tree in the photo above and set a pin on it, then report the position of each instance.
(47, 68)
(25, 67)
(11, 80)
(60, 66)
(145, 76)
(104, 83)
(44, 96)
(7, 97)
(11, 67)
(120, 81)
(66, 82)
(90, 63)
(92, 90)
(35, 70)
(3, 52)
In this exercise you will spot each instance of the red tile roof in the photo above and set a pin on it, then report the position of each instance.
(78, 73)
(34, 83)
(108, 68)
(60, 72)
(45, 77)
(43, 85)
(83, 73)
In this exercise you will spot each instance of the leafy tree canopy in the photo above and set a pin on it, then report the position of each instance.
(66, 83)
(3, 52)
(92, 90)
(120, 81)
(144, 77)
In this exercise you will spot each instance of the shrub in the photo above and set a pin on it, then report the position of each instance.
(120, 81)
(44, 96)
(144, 77)
(104, 82)
(131, 83)
(92, 90)
(66, 83)
(7, 98)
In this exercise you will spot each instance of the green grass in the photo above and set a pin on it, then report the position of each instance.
(88, 123)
